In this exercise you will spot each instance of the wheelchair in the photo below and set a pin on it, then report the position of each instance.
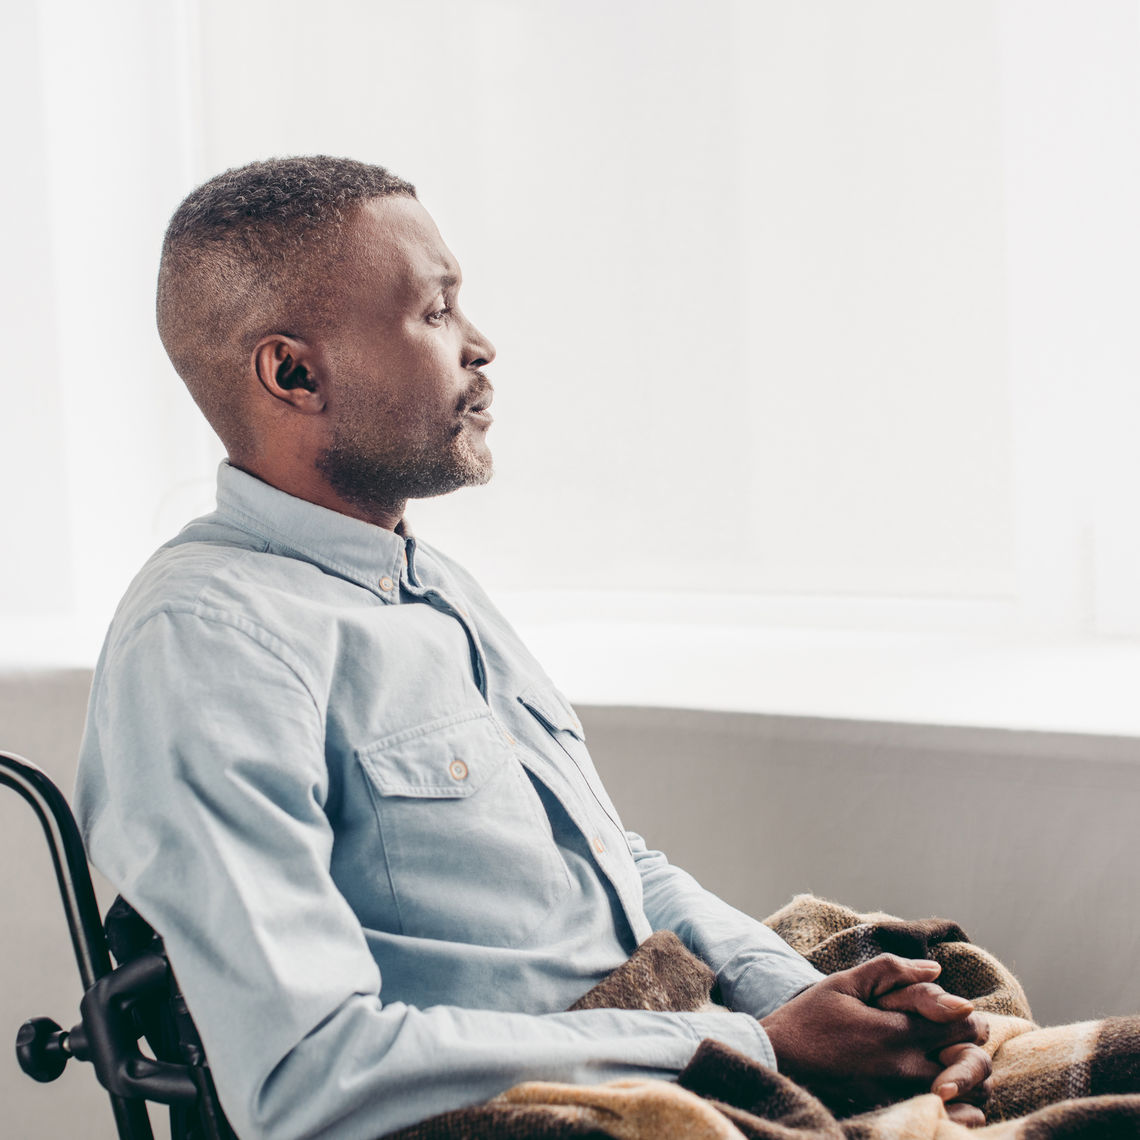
(137, 1000)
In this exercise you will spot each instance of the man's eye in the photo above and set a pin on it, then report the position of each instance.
(439, 316)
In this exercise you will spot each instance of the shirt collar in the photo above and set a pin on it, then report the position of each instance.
(362, 552)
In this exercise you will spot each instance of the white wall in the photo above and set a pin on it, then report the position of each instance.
(98, 442)
(744, 262)
(810, 316)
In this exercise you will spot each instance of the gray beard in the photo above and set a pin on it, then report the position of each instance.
(385, 483)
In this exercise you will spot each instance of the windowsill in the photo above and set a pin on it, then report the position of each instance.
(1078, 686)
(981, 678)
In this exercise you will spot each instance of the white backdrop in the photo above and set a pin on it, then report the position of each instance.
(810, 315)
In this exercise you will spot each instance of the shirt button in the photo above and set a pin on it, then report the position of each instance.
(598, 846)
(386, 583)
(458, 770)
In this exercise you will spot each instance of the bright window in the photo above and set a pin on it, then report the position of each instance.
(812, 316)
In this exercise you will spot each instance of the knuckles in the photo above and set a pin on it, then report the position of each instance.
(980, 1025)
(972, 1030)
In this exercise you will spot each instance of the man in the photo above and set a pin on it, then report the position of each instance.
(325, 769)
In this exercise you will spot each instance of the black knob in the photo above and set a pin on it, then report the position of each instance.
(41, 1049)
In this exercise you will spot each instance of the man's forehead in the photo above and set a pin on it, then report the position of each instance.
(398, 236)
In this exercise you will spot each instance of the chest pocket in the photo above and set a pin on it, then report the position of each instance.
(556, 715)
(468, 848)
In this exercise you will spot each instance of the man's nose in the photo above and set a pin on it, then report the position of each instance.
(480, 351)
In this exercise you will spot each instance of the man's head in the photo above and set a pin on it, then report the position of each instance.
(311, 307)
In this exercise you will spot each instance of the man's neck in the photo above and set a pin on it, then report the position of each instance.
(313, 489)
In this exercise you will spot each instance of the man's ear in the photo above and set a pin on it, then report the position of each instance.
(285, 366)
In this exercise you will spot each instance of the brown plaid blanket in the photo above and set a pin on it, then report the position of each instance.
(1066, 1082)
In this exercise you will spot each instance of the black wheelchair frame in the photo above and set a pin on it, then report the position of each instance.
(138, 999)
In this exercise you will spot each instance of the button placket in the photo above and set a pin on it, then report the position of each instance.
(438, 600)
(591, 821)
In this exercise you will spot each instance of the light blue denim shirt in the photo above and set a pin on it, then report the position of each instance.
(323, 766)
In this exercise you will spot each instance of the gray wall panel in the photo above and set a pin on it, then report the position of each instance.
(1029, 840)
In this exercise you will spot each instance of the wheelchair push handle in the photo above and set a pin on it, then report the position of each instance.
(70, 861)
(108, 1035)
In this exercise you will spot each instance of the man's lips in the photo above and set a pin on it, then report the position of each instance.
(478, 409)
(482, 401)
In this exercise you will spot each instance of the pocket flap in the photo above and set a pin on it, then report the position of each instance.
(449, 758)
(553, 709)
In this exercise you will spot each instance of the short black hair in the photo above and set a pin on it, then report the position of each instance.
(245, 251)
(277, 201)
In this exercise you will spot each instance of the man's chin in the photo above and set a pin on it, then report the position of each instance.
(476, 464)
(365, 481)
(483, 474)
(470, 471)
(476, 477)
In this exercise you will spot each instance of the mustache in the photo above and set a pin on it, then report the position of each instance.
(478, 392)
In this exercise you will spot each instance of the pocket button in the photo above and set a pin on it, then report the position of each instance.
(458, 770)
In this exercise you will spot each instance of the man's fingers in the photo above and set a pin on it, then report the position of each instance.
(888, 972)
(835, 1036)
(927, 999)
(966, 1075)
(936, 1036)
(966, 1115)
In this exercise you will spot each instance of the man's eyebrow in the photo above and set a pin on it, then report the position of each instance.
(434, 285)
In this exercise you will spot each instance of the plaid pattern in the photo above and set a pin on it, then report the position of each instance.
(1061, 1083)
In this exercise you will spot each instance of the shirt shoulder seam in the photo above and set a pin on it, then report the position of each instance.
(256, 633)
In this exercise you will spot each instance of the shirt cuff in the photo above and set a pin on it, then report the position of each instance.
(739, 1031)
(761, 993)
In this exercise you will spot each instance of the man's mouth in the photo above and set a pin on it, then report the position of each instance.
(482, 401)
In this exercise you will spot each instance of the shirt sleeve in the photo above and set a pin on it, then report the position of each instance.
(756, 969)
(201, 796)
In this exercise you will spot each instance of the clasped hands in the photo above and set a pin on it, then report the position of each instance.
(883, 1031)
